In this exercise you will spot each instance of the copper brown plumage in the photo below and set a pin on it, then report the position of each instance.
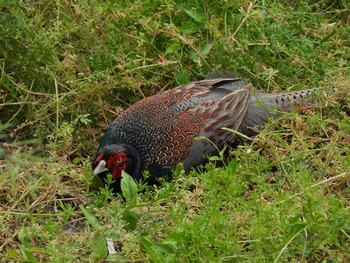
(159, 132)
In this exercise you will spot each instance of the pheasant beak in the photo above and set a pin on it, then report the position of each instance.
(100, 168)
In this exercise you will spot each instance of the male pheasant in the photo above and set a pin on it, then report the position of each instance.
(159, 132)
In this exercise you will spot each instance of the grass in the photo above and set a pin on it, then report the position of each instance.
(68, 68)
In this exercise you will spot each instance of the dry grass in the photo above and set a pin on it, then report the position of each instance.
(68, 68)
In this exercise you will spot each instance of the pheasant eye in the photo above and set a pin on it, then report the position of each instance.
(119, 160)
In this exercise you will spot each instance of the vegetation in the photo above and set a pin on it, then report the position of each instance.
(69, 67)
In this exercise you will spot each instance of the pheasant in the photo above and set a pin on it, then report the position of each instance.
(160, 131)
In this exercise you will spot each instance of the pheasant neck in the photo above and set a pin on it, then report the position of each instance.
(134, 169)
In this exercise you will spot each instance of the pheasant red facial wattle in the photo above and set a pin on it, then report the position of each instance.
(159, 132)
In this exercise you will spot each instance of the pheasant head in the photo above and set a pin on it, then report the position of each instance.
(114, 159)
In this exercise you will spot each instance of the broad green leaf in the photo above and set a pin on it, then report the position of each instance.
(28, 255)
(37, 249)
(174, 239)
(198, 17)
(204, 224)
(203, 51)
(129, 188)
(96, 183)
(214, 158)
(194, 57)
(172, 48)
(130, 217)
(146, 242)
(23, 234)
(147, 245)
(77, 160)
(162, 248)
(99, 246)
(232, 166)
(156, 251)
(188, 29)
(51, 226)
(181, 78)
(11, 253)
(295, 229)
(206, 49)
(294, 219)
(222, 152)
(178, 170)
(91, 218)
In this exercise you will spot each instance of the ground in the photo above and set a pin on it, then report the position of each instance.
(68, 68)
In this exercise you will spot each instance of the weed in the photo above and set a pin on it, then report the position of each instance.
(69, 67)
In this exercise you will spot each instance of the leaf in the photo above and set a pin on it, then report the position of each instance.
(155, 250)
(147, 245)
(37, 249)
(214, 158)
(196, 16)
(179, 169)
(174, 239)
(23, 234)
(194, 57)
(206, 49)
(130, 217)
(222, 152)
(146, 242)
(294, 219)
(172, 48)
(129, 188)
(203, 51)
(181, 78)
(96, 183)
(77, 160)
(295, 229)
(51, 226)
(204, 224)
(188, 29)
(11, 253)
(28, 255)
(91, 218)
(99, 246)
(162, 248)
(232, 166)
